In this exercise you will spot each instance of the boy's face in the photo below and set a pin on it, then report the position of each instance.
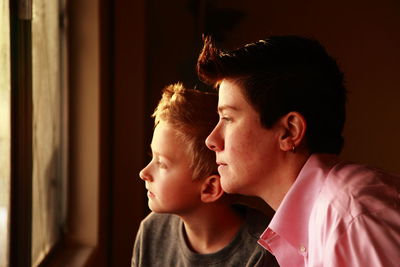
(245, 151)
(168, 176)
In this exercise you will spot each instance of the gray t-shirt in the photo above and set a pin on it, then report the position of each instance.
(160, 241)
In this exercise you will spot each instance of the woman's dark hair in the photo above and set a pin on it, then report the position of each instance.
(281, 74)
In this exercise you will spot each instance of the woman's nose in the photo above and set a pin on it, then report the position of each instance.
(214, 141)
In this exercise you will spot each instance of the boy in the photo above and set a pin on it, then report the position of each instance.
(193, 222)
(282, 111)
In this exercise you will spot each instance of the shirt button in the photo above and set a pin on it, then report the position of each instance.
(302, 249)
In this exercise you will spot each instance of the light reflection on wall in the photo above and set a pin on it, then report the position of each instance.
(3, 235)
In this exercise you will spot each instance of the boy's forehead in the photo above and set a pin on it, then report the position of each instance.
(163, 130)
(165, 140)
(163, 135)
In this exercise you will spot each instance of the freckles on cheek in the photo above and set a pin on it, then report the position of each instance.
(243, 137)
(239, 146)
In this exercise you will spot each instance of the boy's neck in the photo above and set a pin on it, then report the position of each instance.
(211, 228)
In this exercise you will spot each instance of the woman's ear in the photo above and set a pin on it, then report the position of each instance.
(211, 189)
(293, 131)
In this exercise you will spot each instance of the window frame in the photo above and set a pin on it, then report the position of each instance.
(21, 138)
(117, 196)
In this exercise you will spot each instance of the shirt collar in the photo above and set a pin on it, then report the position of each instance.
(291, 219)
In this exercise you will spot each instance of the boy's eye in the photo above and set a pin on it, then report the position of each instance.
(161, 165)
(157, 161)
(225, 118)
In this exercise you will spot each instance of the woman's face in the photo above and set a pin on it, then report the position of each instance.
(245, 150)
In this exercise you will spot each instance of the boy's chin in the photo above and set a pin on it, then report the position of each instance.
(156, 209)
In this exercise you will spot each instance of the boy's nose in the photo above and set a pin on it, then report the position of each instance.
(143, 174)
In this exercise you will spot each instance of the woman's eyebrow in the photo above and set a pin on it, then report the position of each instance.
(226, 107)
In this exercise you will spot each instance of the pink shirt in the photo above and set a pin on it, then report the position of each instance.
(337, 214)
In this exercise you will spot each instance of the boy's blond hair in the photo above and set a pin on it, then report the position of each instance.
(193, 115)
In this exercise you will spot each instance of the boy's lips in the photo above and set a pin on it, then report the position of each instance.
(149, 193)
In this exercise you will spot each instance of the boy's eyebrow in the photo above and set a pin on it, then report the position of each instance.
(154, 152)
(225, 107)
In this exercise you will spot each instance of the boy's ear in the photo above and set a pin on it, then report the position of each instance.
(211, 189)
(293, 127)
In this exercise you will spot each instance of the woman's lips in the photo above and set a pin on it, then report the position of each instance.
(221, 165)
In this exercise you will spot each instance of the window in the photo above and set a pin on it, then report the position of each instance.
(48, 135)
(33, 114)
(104, 203)
(5, 130)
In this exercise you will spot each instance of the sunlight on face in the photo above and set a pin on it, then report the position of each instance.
(168, 176)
